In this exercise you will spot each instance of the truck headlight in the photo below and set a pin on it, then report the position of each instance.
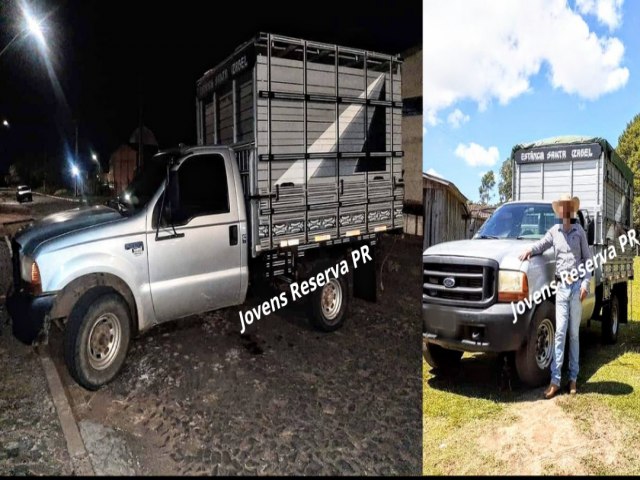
(512, 286)
(30, 273)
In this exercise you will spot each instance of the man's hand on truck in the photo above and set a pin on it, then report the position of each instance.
(525, 255)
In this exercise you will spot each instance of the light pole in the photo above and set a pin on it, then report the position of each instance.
(98, 179)
(94, 157)
(75, 172)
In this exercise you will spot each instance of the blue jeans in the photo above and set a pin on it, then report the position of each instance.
(568, 313)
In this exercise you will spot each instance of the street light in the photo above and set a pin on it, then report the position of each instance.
(75, 172)
(94, 157)
(5, 123)
(34, 26)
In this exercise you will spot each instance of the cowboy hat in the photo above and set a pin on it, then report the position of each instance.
(565, 197)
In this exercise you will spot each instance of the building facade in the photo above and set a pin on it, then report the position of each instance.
(412, 140)
(446, 212)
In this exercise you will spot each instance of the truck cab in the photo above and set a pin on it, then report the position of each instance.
(173, 244)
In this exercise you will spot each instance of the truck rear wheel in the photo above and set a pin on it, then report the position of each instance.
(533, 359)
(328, 304)
(97, 338)
(611, 319)
(439, 357)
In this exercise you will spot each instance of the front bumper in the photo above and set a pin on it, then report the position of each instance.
(28, 314)
(475, 330)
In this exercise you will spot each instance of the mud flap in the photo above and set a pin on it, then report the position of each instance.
(364, 279)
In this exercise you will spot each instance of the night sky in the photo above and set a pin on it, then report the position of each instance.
(111, 56)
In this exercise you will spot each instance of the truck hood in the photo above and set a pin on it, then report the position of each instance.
(63, 223)
(505, 252)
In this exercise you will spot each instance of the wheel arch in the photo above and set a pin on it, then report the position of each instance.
(77, 288)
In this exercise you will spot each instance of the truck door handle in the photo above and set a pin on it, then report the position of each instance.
(233, 235)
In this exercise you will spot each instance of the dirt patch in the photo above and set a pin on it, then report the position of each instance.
(543, 438)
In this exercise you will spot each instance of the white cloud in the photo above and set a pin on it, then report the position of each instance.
(489, 50)
(476, 155)
(431, 171)
(457, 118)
(608, 12)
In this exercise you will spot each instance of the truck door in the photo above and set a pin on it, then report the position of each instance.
(197, 268)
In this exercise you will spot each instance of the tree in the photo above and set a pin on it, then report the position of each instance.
(504, 186)
(629, 150)
(13, 177)
(486, 186)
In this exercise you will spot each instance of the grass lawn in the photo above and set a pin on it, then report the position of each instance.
(461, 411)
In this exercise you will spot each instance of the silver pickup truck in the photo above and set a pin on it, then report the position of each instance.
(468, 285)
(300, 184)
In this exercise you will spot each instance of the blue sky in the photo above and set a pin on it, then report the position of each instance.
(502, 72)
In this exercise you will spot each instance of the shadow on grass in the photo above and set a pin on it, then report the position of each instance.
(484, 376)
(607, 388)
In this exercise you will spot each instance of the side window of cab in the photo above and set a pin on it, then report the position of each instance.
(203, 187)
(202, 190)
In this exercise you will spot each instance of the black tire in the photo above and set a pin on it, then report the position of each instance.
(439, 357)
(611, 320)
(107, 312)
(533, 359)
(335, 296)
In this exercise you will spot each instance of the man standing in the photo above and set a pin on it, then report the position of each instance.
(571, 248)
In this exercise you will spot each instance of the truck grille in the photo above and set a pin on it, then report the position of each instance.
(459, 281)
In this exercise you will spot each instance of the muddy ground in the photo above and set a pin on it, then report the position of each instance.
(196, 397)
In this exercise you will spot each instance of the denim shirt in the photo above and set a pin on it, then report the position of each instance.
(571, 249)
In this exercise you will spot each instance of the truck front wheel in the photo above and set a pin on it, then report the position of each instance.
(328, 304)
(533, 359)
(440, 358)
(97, 338)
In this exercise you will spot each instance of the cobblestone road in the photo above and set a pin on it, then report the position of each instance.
(196, 397)
(31, 441)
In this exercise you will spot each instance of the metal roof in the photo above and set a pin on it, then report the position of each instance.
(450, 186)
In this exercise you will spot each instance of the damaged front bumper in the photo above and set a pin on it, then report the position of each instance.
(29, 315)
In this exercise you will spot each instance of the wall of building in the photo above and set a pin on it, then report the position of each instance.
(412, 140)
(122, 168)
(445, 214)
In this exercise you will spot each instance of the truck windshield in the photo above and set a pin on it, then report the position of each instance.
(143, 186)
(518, 220)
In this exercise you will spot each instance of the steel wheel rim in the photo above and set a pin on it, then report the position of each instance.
(544, 343)
(614, 318)
(103, 341)
(331, 300)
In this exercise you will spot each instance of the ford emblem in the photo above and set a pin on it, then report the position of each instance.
(449, 282)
